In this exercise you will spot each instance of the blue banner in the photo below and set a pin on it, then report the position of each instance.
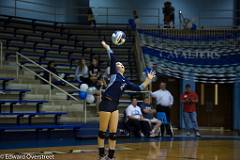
(212, 59)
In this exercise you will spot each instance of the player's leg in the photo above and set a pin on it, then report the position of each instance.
(104, 118)
(113, 124)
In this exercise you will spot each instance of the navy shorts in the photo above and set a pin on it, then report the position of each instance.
(108, 105)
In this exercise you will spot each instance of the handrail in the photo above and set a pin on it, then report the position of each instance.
(56, 13)
(1, 54)
(130, 91)
(50, 75)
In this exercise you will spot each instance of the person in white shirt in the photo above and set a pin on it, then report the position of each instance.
(135, 121)
(81, 72)
(164, 101)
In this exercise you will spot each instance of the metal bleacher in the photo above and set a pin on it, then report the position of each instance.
(9, 106)
(63, 44)
(42, 42)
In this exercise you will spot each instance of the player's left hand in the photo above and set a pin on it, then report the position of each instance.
(105, 45)
(151, 75)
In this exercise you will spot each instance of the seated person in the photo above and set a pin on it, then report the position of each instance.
(52, 68)
(135, 120)
(148, 114)
(81, 73)
(94, 73)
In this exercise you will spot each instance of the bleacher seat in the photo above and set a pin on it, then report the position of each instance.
(40, 127)
(4, 82)
(31, 115)
(13, 102)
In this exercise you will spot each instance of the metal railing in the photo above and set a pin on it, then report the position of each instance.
(49, 81)
(57, 14)
(109, 15)
(51, 76)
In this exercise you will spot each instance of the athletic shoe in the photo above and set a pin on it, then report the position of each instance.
(152, 135)
(198, 134)
(103, 158)
(188, 133)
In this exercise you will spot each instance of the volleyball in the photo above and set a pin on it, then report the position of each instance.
(118, 38)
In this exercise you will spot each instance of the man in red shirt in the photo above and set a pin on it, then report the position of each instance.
(189, 100)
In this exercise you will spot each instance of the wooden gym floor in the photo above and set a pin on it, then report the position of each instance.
(181, 147)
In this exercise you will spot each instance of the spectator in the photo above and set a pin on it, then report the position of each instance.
(91, 18)
(94, 73)
(136, 18)
(164, 100)
(81, 73)
(189, 100)
(148, 114)
(169, 18)
(52, 68)
(135, 120)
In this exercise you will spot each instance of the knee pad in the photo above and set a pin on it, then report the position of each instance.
(113, 136)
(101, 134)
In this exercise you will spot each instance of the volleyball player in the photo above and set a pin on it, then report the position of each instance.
(108, 108)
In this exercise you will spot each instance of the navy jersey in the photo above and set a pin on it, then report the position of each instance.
(118, 83)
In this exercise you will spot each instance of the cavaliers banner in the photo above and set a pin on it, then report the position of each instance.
(202, 56)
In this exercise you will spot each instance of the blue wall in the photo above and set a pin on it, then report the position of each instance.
(44, 9)
(191, 9)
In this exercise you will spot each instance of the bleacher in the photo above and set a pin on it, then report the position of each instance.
(43, 41)
(12, 117)
(63, 44)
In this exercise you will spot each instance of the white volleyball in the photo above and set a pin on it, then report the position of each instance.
(118, 38)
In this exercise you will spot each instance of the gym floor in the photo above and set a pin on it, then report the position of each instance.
(211, 146)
